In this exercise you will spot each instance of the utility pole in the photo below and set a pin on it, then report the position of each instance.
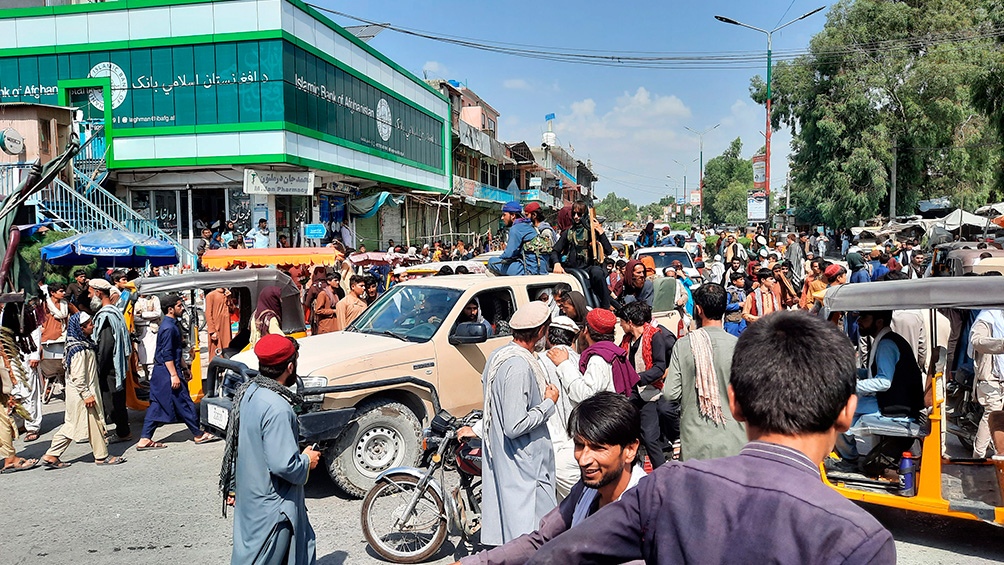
(892, 190)
(700, 181)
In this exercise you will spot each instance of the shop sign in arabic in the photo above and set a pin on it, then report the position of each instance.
(278, 183)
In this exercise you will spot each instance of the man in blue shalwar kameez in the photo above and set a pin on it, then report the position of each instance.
(263, 469)
(169, 397)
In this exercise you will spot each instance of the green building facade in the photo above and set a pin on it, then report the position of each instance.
(190, 93)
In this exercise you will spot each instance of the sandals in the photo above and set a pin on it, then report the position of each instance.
(151, 446)
(21, 464)
(113, 460)
(206, 438)
(30, 437)
(57, 464)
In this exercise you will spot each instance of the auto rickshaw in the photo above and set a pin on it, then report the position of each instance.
(948, 482)
(245, 284)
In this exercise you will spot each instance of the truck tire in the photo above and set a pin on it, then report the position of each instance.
(385, 434)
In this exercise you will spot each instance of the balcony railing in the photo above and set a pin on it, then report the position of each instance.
(537, 195)
(474, 189)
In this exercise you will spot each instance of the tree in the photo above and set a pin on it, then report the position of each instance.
(883, 81)
(720, 174)
(615, 208)
(654, 210)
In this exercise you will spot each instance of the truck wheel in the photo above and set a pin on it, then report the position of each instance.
(385, 434)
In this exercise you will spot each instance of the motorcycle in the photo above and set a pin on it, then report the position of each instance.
(406, 516)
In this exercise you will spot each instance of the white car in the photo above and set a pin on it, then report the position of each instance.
(664, 257)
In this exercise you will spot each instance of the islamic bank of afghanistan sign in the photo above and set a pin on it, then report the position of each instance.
(120, 84)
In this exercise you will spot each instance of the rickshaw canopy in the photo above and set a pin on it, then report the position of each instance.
(255, 280)
(270, 257)
(966, 293)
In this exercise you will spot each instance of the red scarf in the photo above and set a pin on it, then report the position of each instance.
(646, 349)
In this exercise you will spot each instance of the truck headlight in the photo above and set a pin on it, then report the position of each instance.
(314, 382)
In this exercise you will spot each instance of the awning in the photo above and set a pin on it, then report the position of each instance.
(369, 206)
(228, 258)
(958, 219)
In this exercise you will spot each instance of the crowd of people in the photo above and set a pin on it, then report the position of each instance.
(92, 336)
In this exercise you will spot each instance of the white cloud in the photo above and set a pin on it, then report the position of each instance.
(516, 84)
(435, 69)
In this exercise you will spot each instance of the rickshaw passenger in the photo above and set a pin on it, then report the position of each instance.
(986, 346)
(889, 386)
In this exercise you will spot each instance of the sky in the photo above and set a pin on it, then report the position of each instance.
(629, 122)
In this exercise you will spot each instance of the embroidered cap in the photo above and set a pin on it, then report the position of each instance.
(601, 320)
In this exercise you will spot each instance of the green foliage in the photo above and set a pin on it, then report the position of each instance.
(30, 250)
(880, 75)
(653, 210)
(727, 177)
(615, 208)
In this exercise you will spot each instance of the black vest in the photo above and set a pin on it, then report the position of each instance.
(905, 396)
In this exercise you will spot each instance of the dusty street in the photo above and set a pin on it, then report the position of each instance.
(162, 507)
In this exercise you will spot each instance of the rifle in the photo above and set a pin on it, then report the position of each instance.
(598, 255)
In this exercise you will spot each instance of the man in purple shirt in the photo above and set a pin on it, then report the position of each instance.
(767, 504)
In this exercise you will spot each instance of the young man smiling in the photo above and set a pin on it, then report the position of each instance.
(606, 429)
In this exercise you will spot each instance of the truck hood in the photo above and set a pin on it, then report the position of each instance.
(336, 348)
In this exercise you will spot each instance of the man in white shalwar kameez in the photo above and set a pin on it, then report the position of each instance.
(518, 466)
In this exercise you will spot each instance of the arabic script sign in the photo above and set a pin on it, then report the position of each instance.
(295, 183)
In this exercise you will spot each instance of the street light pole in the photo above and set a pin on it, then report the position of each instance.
(700, 177)
(769, 45)
(686, 196)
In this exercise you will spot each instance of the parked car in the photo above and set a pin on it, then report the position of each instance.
(375, 385)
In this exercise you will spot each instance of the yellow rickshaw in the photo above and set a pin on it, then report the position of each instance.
(948, 482)
(246, 285)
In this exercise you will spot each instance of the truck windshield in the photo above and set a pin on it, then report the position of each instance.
(412, 313)
(664, 259)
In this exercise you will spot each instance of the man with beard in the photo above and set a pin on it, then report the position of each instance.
(515, 260)
(735, 266)
(518, 463)
(114, 347)
(605, 429)
(263, 470)
(889, 385)
(575, 250)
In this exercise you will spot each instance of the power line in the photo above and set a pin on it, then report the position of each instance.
(680, 60)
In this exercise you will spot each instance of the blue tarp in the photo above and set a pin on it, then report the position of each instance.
(111, 248)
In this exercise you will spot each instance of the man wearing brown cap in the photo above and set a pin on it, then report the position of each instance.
(263, 468)
(518, 470)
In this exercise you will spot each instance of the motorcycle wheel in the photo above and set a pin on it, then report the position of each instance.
(417, 538)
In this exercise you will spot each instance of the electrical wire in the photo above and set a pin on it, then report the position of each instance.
(682, 60)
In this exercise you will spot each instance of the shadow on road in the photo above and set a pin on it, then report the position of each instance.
(963, 537)
(333, 558)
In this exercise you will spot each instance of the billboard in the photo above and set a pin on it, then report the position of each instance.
(756, 205)
(760, 172)
(695, 198)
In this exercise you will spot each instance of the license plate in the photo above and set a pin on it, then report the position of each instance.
(217, 416)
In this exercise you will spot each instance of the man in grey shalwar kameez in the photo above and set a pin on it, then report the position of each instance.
(269, 471)
(518, 471)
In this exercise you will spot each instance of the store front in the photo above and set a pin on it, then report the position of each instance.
(188, 109)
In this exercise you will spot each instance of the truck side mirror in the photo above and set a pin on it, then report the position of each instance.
(468, 333)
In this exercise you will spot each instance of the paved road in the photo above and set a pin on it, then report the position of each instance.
(162, 507)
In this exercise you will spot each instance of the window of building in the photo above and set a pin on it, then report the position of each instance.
(484, 172)
(491, 126)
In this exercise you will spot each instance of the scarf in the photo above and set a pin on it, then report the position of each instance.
(707, 381)
(76, 341)
(646, 352)
(61, 313)
(112, 317)
(228, 471)
(624, 376)
(994, 319)
(268, 307)
(758, 295)
(504, 354)
(581, 309)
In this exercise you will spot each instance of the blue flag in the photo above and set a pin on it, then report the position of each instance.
(548, 117)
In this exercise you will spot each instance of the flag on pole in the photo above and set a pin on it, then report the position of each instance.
(548, 117)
